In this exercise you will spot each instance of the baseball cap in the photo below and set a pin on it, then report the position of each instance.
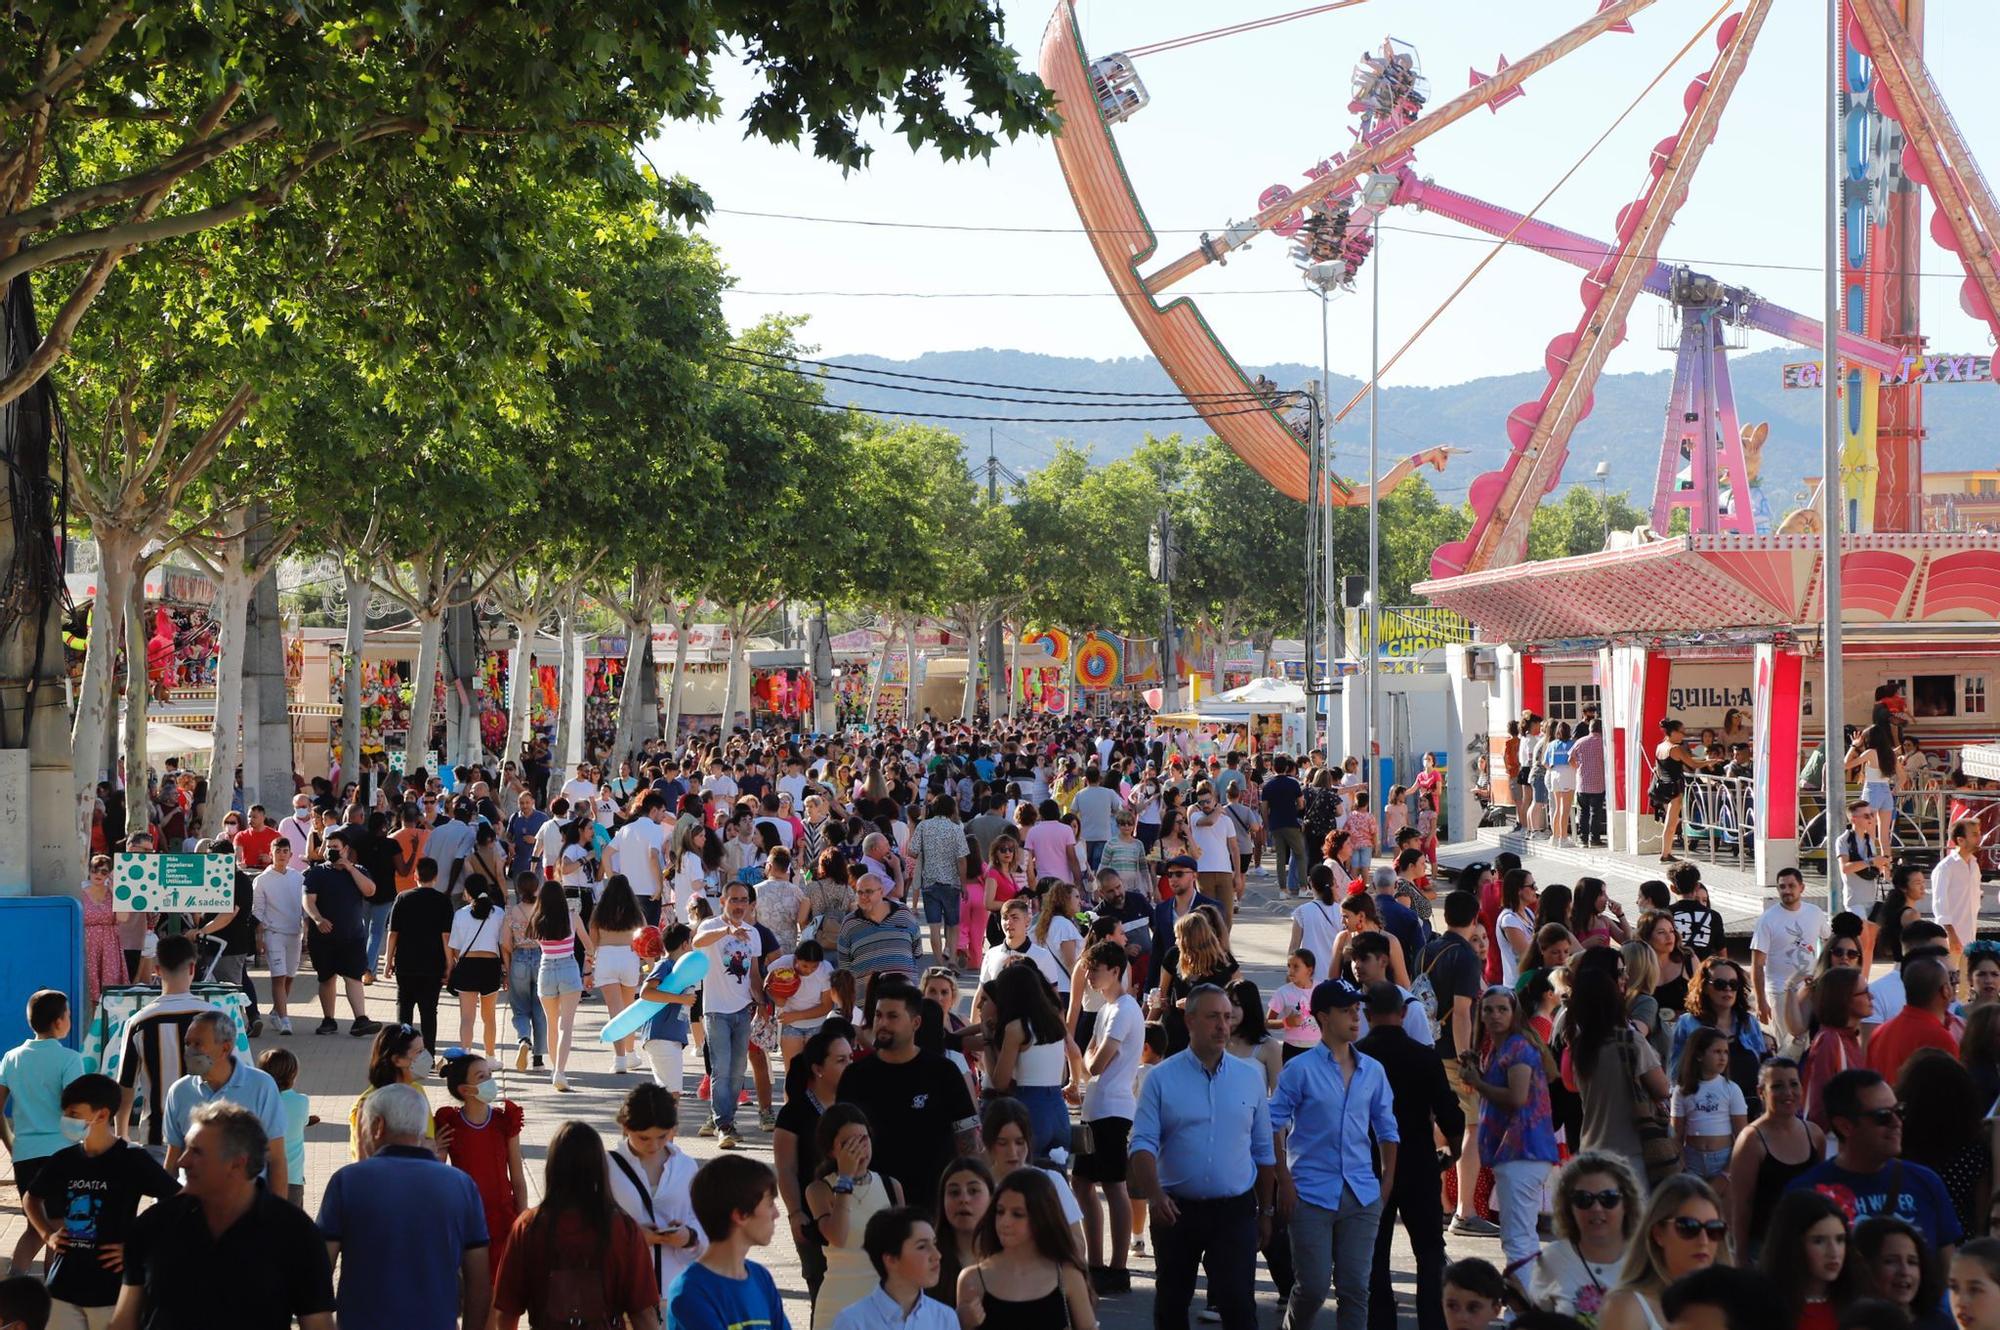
(1335, 993)
(1186, 861)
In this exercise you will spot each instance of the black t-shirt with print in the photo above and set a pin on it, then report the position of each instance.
(94, 1200)
(913, 1108)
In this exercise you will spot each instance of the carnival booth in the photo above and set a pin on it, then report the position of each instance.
(1273, 714)
(1611, 632)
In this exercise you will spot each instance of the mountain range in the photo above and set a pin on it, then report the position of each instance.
(1623, 430)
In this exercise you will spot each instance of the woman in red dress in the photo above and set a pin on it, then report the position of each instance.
(481, 1134)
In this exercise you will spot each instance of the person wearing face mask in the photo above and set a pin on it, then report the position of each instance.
(208, 1051)
(84, 1199)
(398, 1057)
(484, 1135)
(409, 1239)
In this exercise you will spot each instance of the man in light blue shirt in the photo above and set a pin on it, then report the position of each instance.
(208, 1051)
(1201, 1154)
(1329, 1099)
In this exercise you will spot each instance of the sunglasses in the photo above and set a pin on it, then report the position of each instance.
(1882, 1117)
(1725, 985)
(1690, 1229)
(1610, 1199)
(1847, 953)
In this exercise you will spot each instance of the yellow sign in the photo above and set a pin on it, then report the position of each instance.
(1408, 631)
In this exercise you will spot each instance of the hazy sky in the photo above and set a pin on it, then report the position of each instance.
(1230, 117)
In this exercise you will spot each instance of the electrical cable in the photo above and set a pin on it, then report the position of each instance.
(1003, 420)
(790, 362)
(1594, 251)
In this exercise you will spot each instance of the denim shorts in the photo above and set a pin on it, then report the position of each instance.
(805, 1031)
(941, 903)
(1876, 792)
(1705, 1163)
(559, 975)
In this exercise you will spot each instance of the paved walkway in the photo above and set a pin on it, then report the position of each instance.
(334, 1070)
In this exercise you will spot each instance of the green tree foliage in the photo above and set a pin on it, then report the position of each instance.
(1577, 522)
(111, 109)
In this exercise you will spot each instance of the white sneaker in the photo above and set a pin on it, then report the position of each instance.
(284, 1024)
(617, 1062)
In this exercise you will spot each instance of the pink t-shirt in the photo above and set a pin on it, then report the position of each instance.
(1047, 840)
(1289, 1000)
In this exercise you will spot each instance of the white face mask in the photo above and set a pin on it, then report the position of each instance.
(423, 1063)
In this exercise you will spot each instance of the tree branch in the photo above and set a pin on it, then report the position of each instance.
(66, 73)
(106, 192)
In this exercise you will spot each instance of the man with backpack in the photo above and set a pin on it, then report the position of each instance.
(1447, 986)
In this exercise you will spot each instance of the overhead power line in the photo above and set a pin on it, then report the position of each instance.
(791, 362)
(991, 229)
(929, 415)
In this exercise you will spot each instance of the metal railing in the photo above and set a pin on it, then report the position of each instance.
(1920, 828)
(1718, 818)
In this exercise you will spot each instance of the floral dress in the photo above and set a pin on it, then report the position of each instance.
(103, 955)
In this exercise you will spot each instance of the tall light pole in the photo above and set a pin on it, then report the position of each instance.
(1379, 193)
(1831, 502)
(1603, 474)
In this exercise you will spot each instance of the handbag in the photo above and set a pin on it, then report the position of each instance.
(455, 981)
(1657, 1148)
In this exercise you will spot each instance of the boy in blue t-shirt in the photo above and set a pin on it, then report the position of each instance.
(735, 1199)
(32, 1077)
(667, 1033)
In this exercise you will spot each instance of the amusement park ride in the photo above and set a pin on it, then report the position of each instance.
(1892, 152)
(1734, 572)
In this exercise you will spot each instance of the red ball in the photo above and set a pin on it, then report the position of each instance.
(782, 984)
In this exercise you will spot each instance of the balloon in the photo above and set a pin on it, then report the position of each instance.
(688, 971)
(782, 984)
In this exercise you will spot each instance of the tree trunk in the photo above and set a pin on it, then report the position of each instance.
(464, 744)
(734, 678)
(359, 591)
(520, 686)
(910, 674)
(423, 687)
(137, 814)
(232, 598)
(683, 624)
(97, 702)
(569, 694)
(632, 689)
(1014, 669)
(265, 691)
(968, 705)
(820, 655)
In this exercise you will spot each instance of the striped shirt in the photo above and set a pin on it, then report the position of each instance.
(152, 1042)
(867, 948)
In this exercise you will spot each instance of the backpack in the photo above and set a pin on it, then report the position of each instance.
(1421, 989)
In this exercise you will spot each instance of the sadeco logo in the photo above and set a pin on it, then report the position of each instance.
(1696, 699)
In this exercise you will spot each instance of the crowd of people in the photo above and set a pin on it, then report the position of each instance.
(977, 990)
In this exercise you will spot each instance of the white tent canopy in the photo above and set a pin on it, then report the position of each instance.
(1264, 694)
(164, 740)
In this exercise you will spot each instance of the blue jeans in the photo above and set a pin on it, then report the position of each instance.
(378, 928)
(728, 1051)
(524, 999)
(1332, 1248)
(1050, 1116)
(1093, 852)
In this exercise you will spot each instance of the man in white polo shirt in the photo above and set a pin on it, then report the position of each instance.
(639, 852)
